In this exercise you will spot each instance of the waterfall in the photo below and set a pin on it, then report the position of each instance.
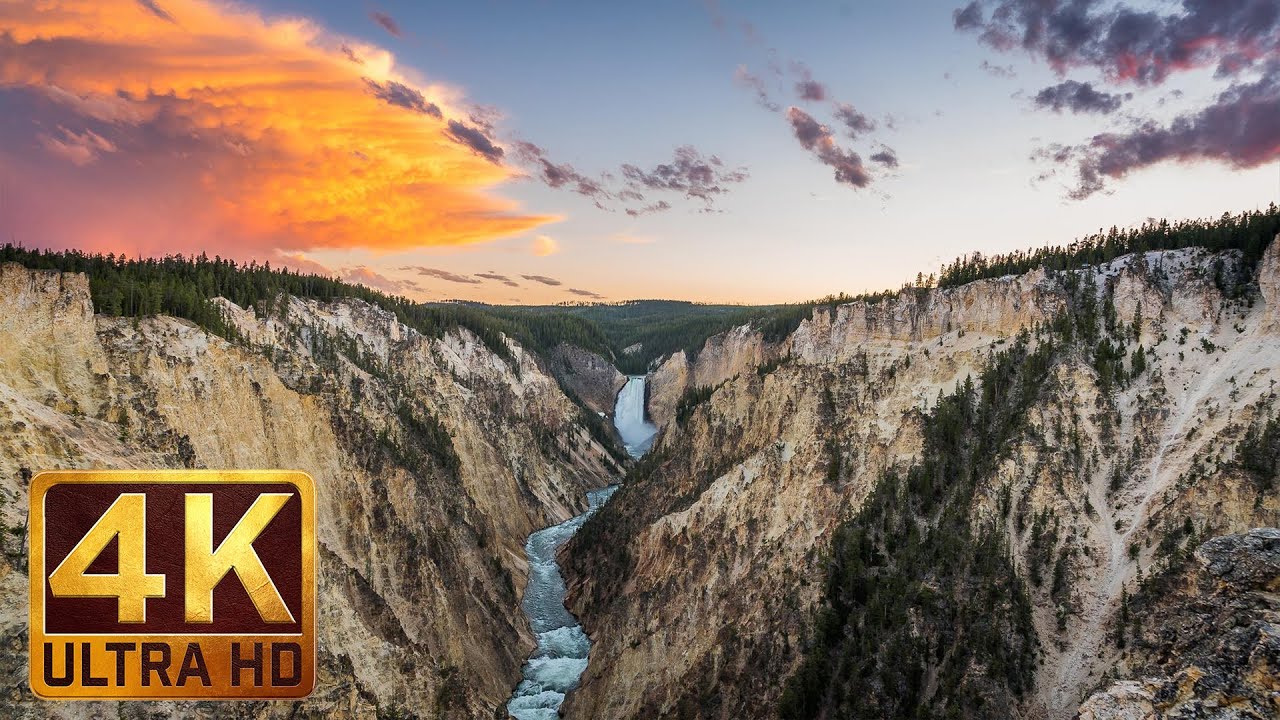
(628, 416)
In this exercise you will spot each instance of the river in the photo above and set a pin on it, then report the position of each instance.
(561, 656)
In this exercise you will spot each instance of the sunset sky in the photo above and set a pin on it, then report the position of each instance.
(547, 152)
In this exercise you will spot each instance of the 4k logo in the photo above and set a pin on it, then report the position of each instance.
(172, 585)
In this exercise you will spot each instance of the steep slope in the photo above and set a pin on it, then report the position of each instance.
(433, 460)
(704, 575)
(592, 378)
(1205, 638)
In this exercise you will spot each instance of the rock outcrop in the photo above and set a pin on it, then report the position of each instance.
(1218, 634)
(421, 563)
(592, 378)
(703, 577)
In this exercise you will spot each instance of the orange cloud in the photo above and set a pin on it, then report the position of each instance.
(544, 245)
(208, 126)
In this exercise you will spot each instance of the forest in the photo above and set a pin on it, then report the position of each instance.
(185, 287)
(1249, 232)
(632, 334)
(919, 590)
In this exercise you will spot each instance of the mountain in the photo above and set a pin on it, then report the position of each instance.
(958, 502)
(1043, 486)
(434, 458)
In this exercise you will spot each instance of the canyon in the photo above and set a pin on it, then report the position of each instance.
(705, 574)
(434, 459)
(1129, 541)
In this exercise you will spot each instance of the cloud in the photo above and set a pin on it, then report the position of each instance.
(402, 95)
(154, 9)
(441, 274)
(232, 133)
(886, 157)
(689, 172)
(302, 263)
(476, 139)
(586, 294)
(1142, 45)
(1240, 129)
(812, 134)
(1079, 97)
(79, 148)
(855, 122)
(745, 78)
(559, 175)
(544, 245)
(365, 276)
(807, 89)
(499, 278)
(387, 22)
(811, 90)
(817, 139)
(543, 279)
(968, 17)
(350, 54)
(660, 206)
(1005, 72)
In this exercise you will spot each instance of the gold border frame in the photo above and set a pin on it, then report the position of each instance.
(40, 486)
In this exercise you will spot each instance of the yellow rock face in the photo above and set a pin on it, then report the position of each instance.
(421, 568)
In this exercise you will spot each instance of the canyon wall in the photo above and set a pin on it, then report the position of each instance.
(421, 532)
(700, 582)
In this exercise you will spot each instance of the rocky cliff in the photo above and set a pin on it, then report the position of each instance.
(592, 378)
(1208, 644)
(702, 580)
(433, 460)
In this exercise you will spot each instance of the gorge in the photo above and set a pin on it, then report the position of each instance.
(1030, 495)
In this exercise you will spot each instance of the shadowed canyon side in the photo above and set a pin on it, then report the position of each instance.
(434, 458)
(1038, 441)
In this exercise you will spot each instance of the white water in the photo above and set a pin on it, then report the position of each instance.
(561, 657)
(628, 416)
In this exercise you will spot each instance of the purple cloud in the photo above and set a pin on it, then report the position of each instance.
(660, 206)
(689, 172)
(1004, 72)
(476, 139)
(855, 122)
(808, 89)
(351, 55)
(402, 95)
(886, 157)
(559, 175)
(441, 274)
(542, 279)
(1240, 129)
(498, 278)
(1078, 97)
(817, 139)
(387, 22)
(152, 7)
(749, 80)
(1144, 46)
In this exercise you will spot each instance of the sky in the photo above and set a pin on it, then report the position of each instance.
(545, 152)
